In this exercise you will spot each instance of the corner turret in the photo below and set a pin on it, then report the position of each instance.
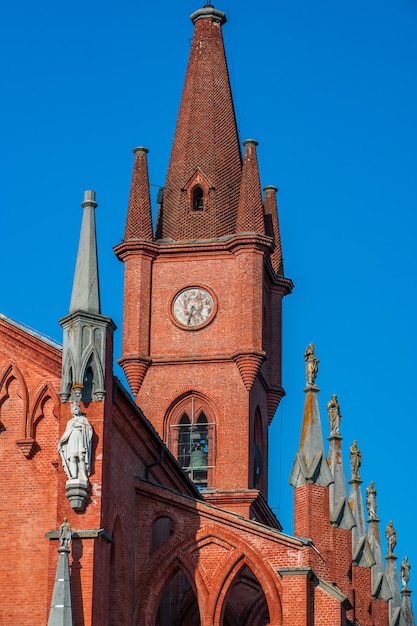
(88, 335)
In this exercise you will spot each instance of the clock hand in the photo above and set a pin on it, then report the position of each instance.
(192, 311)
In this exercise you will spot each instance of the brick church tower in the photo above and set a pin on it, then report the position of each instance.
(203, 292)
(152, 510)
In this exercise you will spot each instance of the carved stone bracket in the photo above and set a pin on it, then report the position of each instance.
(77, 493)
(27, 446)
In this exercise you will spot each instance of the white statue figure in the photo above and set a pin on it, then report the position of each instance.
(312, 365)
(333, 409)
(75, 445)
(371, 500)
(355, 460)
(405, 572)
(391, 536)
(65, 534)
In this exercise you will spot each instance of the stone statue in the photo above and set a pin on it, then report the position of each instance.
(371, 500)
(312, 365)
(355, 460)
(65, 534)
(333, 409)
(391, 536)
(405, 572)
(75, 445)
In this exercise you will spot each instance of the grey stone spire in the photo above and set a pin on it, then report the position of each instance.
(406, 605)
(362, 554)
(88, 335)
(380, 587)
(310, 464)
(340, 512)
(85, 289)
(60, 613)
(391, 574)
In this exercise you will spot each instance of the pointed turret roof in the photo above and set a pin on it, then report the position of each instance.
(310, 464)
(380, 587)
(250, 215)
(340, 512)
(362, 554)
(85, 357)
(206, 144)
(272, 227)
(139, 215)
(85, 290)
(406, 604)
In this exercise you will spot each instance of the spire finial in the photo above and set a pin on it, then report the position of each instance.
(371, 501)
(335, 417)
(391, 536)
(85, 291)
(312, 366)
(355, 461)
(405, 572)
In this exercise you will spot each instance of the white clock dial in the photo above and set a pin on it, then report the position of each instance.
(193, 307)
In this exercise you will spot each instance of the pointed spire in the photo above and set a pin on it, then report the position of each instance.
(250, 217)
(406, 604)
(139, 215)
(85, 291)
(391, 571)
(61, 606)
(310, 465)
(340, 512)
(272, 227)
(86, 355)
(202, 186)
(380, 587)
(362, 554)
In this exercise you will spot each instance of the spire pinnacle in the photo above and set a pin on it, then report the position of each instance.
(340, 512)
(272, 227)
(201, 192)
(139, 215)
(85, 291)
(250, 217)
(310, 465)
(61, 606)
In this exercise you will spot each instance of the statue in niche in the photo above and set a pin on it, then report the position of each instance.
(65, 534)
(391, 536)
(333, 409)
(405, 572)
(355, 460)
(75, 445)
(312, 365)
(371, 500)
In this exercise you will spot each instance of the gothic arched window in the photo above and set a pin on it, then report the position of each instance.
(191, 437)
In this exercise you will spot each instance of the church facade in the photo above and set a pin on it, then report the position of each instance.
(149, 507)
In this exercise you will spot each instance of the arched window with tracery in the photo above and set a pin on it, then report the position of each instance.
(191, 437)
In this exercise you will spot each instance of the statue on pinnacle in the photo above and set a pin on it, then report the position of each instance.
(312, 365)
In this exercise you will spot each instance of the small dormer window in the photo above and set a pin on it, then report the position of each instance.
(198, 199)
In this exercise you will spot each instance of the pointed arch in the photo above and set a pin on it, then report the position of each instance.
(68, 373)
(241, 554)
(157, 582)
(248, 596)
(12, 372)
(94, 382)
(190, 430)
(178, 604)
(43, 393)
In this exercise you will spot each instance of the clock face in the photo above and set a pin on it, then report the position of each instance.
(193, 307)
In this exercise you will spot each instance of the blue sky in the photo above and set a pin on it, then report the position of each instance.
(329, 90)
